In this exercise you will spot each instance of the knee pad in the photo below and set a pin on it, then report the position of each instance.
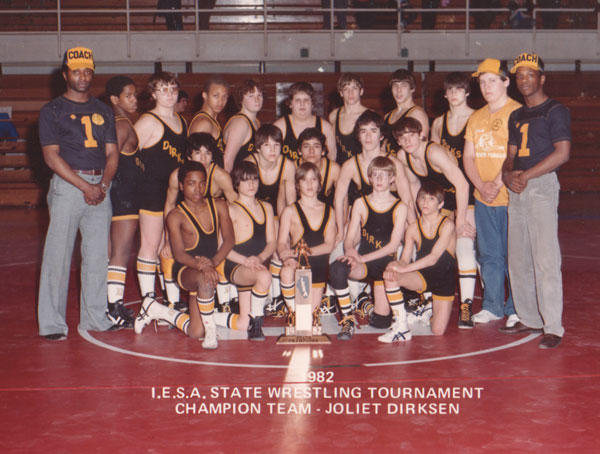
(380, 321)
(338, 274)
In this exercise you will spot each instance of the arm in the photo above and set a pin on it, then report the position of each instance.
(172, 192)
(201, 124)
(419, 114)
(223, 181)
(147, 129)
(288, 195)
(441, 160)
(404, 189)
(329, 134)
(235, 135)
(392, 246)
(340, 199)
(446, 235)
(436, 129)
(559, 156)
(92, 193)
(488, 189)
(112, 162)
(280, 123)
(284, 250)
(351, 255)
(226, 230)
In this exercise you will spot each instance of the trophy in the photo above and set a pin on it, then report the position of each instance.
(303, 326)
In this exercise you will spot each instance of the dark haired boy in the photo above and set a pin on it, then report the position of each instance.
(195, 227)
(433, 270)
(255, 237)
(402, 84)
(239, 132)
(124, 195)
(301, 101)
(215, 95)
(350, 87)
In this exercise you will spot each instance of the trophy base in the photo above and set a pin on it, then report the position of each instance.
(304, 338)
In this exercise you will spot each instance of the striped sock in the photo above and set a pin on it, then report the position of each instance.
(343, 296)
(396, 300)
(275, 269)
(257, 302)
(116, 283)
(182, 321)
(171, 286)
(146, 270)
(288, 292)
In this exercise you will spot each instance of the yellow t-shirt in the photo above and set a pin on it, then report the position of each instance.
(489, 134)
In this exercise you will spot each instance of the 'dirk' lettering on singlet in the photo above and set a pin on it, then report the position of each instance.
(377, 229)
(290, 141)
(248, 147)
(355, 191)
(391, 144)
(425, 244)
(162, 158)
(218, 158)
(257, 238)
(347, 145)
(437, 176)
(269, 192)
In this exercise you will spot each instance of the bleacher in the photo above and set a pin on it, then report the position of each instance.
(24, 176)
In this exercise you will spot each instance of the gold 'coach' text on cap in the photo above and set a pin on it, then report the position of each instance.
(528, 60)
(79, 58)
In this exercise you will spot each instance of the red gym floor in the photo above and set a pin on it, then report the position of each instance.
(469, 391)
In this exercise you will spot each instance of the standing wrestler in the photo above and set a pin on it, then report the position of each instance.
(311, 148)
(433, 270)
(449, 131)
(161, 133)
(255, 239)
(215, 95)
(539, 142)
(403, 86)
(313, 221)
(201, 236)
(124, 195)
(428, 161)
(486, 142)
(79, 143)
(240, 130)
(376, 227)
(350, 88)
(301, 101)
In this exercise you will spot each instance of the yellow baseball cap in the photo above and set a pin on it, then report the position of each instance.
(79, 58)
(528, 61)
(489, 65)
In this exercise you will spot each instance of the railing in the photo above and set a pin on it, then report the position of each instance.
(271, 17)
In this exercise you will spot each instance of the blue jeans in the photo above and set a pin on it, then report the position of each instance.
(70, 214)
(492, 233)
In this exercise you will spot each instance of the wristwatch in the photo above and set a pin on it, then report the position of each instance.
(103, 187)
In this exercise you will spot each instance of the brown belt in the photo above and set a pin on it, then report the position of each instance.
(89, 172)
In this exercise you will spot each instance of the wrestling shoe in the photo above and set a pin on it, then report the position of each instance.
(348, 326)
(276, 308)
(412, 300)
(210, 341)
(181, 306)
(484, 316)
(119, 315)
(255, 332)
(328, 304)
(364, 305)
(150, 310)
(422, 315)
(395, 335)
(465, 314)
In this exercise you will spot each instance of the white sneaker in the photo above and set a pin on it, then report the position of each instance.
(395, 335)
(148, 312)
(421, 315)
(512, 320)
(210, 341)
(485, 316)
